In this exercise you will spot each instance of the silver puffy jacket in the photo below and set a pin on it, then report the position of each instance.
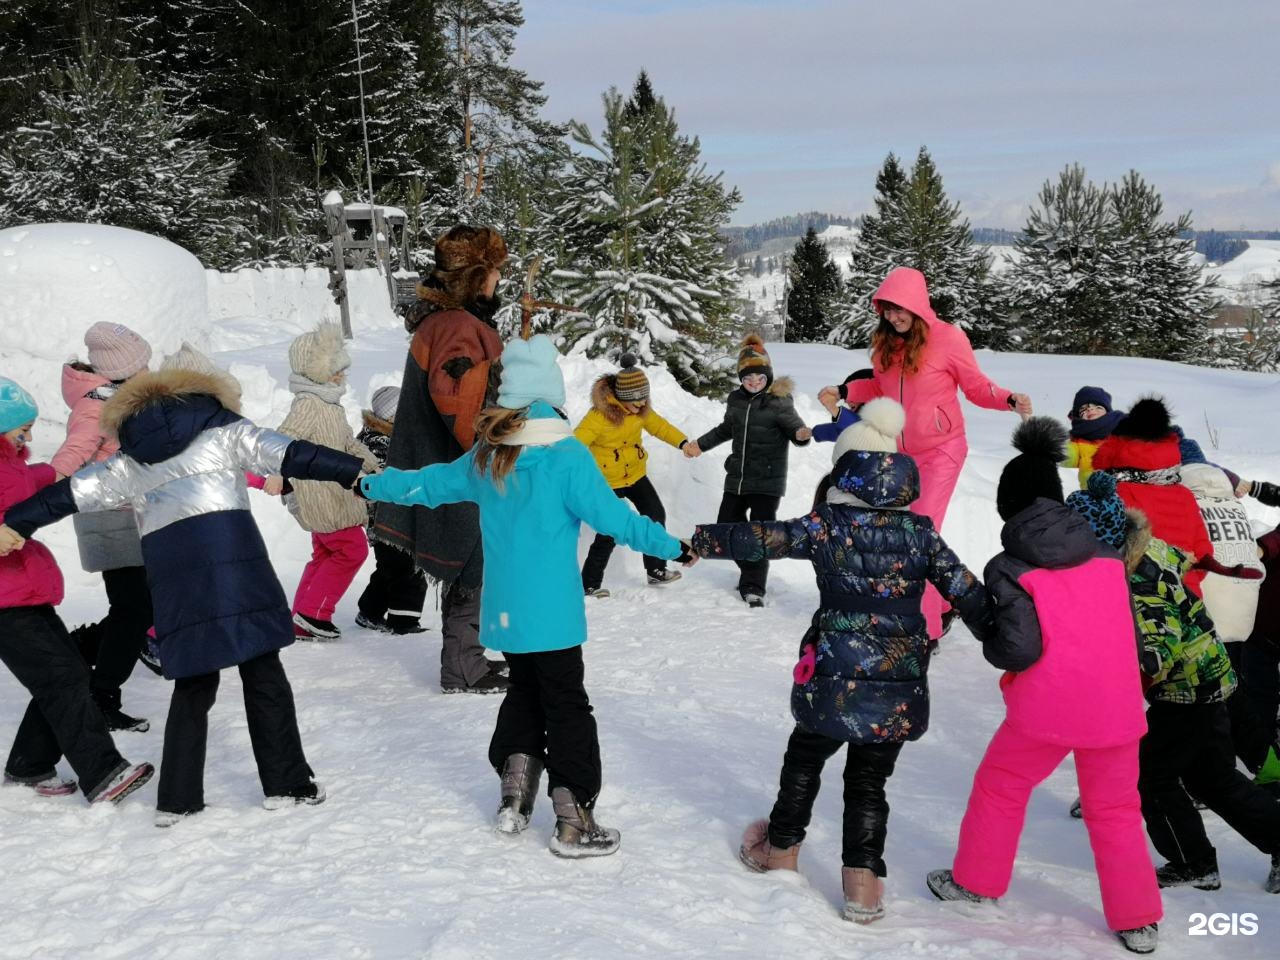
(206, 477)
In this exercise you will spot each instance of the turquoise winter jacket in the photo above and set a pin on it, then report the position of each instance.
(531, 599)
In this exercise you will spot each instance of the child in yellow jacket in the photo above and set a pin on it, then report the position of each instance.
(612, 430)
(1092, 421)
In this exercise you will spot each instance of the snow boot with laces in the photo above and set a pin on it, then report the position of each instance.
(577, 833)
(520, 776)
(1140, 939)
(760, 856)
(863, 895)
(943, 885)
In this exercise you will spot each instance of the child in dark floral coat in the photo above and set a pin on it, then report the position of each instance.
(861, 676)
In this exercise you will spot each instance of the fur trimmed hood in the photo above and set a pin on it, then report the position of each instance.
(376, 423)
(782, 387)
(606, 402)
(150, 388)
(1136, 539)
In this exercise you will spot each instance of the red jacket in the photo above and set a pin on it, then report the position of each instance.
(28, 577)
(1171, 507)
(947, 363)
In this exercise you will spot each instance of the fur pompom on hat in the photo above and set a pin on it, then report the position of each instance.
(753, 358)
(17, 407)
(1041, 443)
(630, 385)
(531, 372)
(188, 358)
(1103, 508)
(319, 355)
(1148, 419)
(881, 421)
(115, 351)
(384, 402)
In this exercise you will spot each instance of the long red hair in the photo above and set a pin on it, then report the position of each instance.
(886, 344)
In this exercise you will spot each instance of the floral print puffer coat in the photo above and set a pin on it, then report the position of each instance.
(872, 558)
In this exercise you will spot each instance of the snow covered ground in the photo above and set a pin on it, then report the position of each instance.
(690, 690)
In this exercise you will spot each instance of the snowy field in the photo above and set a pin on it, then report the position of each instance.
(690, 689)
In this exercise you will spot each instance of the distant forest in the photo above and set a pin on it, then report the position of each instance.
(1217, 246)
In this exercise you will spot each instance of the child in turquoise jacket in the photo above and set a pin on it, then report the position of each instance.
(535, 485)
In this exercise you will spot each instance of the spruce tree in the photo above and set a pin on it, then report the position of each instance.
(815, 293)
(103, 148)
(637, 223)
(915, 225)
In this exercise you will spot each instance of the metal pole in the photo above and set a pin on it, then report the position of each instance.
(364, 124)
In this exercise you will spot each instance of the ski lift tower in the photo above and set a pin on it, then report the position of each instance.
(363, 235)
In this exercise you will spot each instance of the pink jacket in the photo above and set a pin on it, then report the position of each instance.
(929, 394)
(86, 443)
(28, 577)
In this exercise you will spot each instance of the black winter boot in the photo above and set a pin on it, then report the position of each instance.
(1202, 876)
(117, 719)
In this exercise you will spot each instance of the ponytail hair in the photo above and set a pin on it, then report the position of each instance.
(493, 458)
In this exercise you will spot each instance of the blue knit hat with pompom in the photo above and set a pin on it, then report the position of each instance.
(1103, 508)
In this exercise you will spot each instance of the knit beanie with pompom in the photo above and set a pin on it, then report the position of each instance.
(1042, 444)
(630, 385)
(877, 430)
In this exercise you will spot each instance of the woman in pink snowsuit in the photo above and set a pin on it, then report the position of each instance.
(1072, 686)
(921, 361)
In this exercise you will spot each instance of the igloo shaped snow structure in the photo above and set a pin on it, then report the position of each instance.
(56, 279)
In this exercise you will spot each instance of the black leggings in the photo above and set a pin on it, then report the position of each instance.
(866, 810)
(735, 508)
(648, 504)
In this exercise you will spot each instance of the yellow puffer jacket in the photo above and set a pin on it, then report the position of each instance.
(614, 436)
(1080, 455)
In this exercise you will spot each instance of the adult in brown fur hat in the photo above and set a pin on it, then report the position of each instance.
(450, 375)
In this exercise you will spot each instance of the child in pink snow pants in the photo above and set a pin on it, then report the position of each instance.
(1055, 661)
(920, 361)
(333, 516)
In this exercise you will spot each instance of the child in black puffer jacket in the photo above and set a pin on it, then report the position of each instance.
(392, 602)
(861, 678)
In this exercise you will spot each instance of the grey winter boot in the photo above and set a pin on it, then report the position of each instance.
(1140, 939)
(520, 776)
(943, 886)
(577, 833)
(863, 894)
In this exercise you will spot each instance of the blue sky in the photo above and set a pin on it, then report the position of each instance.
(799, 102)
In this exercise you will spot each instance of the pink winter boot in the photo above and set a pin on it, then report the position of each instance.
(863, 895)
(758, 854)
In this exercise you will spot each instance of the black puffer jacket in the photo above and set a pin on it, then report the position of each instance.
(761, 426)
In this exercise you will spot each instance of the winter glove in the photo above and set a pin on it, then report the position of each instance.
(358, 489)
(687, 557)
(1265, 493)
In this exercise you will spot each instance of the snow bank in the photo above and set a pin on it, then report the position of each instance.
(56, 279)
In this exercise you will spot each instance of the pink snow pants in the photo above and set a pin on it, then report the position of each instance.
(939, 471)
(336, 558)
(1013, 766)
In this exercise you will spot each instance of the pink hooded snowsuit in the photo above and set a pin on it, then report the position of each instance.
(934, 432)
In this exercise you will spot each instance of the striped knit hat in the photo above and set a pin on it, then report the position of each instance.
(630, 385)
(752, 358)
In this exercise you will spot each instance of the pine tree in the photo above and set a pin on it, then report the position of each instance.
(102, 148)
(1096, 271)
(638, 222)
(1056, 283)
(815, 293)
(1162, 306)
(915, 225)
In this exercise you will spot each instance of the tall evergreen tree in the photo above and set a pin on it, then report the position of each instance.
(638, 222)
(1097, 270)
(103, 148)
(815, 296)
(915, 225)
